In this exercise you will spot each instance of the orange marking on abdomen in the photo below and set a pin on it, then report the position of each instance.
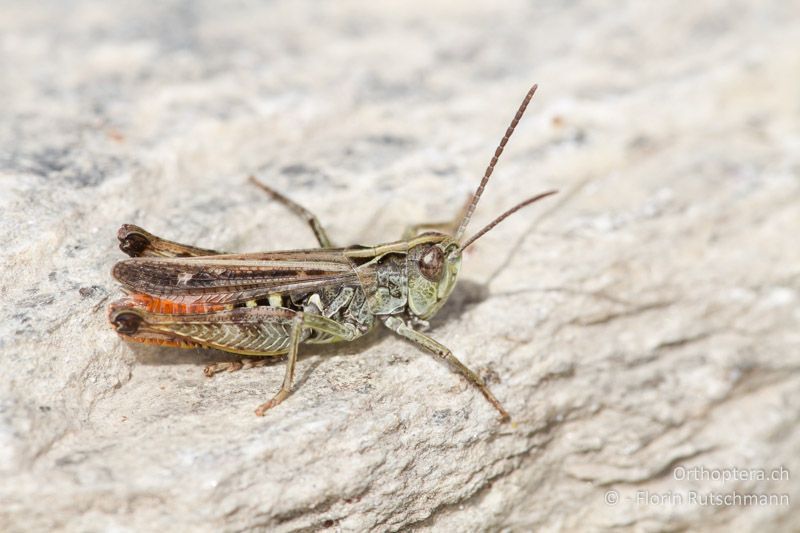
(168, 307)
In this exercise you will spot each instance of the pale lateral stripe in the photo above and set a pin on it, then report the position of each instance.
(257, 264)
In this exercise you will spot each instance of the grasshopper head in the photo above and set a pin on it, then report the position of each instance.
(433, 263)
(434, 258)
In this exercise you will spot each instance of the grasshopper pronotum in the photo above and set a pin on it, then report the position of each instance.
(267, 304)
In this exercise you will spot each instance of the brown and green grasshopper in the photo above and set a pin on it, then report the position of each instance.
(267, 304)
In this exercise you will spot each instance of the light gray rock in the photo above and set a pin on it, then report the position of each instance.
(642, 322)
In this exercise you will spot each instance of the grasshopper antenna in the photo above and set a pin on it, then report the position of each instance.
(477, 195)
(505, 215)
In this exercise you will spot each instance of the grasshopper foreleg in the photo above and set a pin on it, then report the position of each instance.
(397, 325)
(309, 217)
(447, 226)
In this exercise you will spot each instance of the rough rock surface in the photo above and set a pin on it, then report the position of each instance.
(643, 321)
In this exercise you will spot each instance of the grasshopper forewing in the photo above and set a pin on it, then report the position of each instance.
(267, 304)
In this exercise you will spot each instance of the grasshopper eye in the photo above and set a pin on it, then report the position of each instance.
(431, 264)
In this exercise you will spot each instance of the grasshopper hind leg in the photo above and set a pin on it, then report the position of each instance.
(136, 242)
(233, 366)
(247, 331)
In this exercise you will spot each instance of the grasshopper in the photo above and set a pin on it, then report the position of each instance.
(267, 304)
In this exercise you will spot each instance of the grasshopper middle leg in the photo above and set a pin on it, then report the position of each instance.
(309, 217)
(401, 328)
(300, 321)
(286, 387)
(137, 242)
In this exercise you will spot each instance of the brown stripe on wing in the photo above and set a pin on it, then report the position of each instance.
(233, 278)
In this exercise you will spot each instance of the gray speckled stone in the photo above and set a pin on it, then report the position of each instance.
(646, 318)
